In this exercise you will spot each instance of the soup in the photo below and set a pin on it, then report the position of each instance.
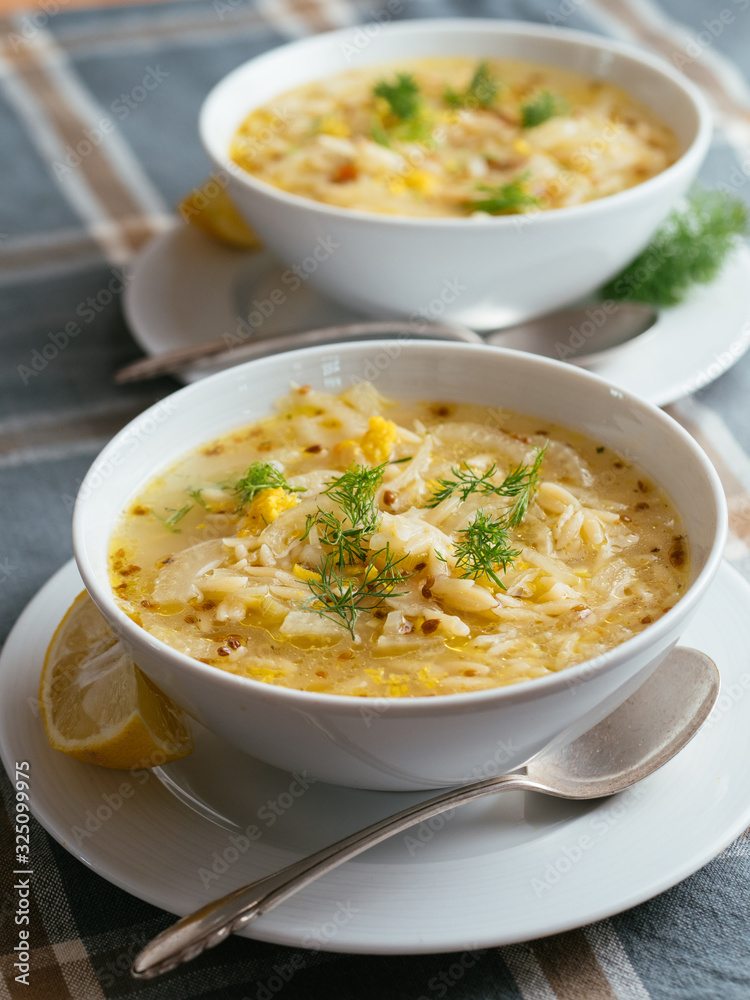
(359, 546)
(454, 137)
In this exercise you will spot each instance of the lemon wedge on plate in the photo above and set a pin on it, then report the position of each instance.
(98, 706)
(211, 209)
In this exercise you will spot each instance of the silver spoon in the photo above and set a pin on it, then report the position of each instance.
(568, 334)
(646, 731)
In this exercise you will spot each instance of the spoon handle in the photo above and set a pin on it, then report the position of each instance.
(214, 922)
(259, 346)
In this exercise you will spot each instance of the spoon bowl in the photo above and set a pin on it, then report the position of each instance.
(637, 738)
(582, 335)
(658, 719)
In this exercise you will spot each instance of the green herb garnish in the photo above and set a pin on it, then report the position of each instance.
(175, 517)
(354, 492)
(543, 107)
(347, 543)
(402, 96)
(482, 90)
(261, 476)
(378, 133)
(507, 199)
(342, 592)
(346, 534)
(466, 482)
(520, 484)
(689, 248)
(340, 597)
(484, 545)
(197, 495)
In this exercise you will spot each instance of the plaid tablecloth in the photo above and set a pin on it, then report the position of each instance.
(124, 85)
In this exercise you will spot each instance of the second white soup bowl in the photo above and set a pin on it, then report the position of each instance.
(482, 272)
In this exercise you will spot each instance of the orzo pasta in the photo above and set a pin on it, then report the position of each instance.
(454, 137)
(354, 545)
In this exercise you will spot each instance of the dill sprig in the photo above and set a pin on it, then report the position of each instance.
(519, 483)
(171, 522)
(342, 592)
(196, 494)
(402, 96)
(466, 482)
(378, 133)
(347, 543)
(341, 597)
(482, 90)
(507, 199)
(261, 476)
(354, 492)
(539, 110)
(484, 545)
(689, 248)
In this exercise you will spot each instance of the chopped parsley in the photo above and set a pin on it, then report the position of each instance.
(482, 90)
(402, 96)
(539, 110)
(507, 199)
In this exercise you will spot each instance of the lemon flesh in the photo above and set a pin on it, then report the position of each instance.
(98, 706)
(216, 214)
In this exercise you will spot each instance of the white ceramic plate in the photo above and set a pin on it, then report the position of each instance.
(187, 288)
(496, 872)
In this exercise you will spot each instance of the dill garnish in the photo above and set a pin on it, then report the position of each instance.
(402, 96)
(519, 483)
(354, 492)
(539, 110)
(689, 248)
(197, 495)
(175, 517)
(507, 199)
(484, 545)
(467, 481)
(378, 133)
(261, 476)
(340, 597)
(344, 591)
(482, 90)
(347, 543)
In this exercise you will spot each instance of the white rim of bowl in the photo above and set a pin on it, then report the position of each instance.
(692, 155)
(419, 705)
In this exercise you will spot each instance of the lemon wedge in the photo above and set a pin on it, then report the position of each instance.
(98, 706)
(211, 209)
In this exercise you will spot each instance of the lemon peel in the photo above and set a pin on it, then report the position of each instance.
(215, 213)
(98, 706)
